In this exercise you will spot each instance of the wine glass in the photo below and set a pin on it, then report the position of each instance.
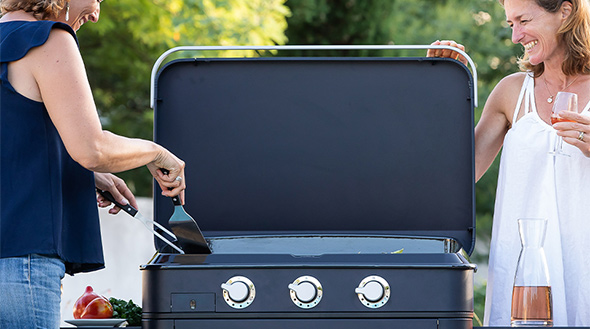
(564, 101)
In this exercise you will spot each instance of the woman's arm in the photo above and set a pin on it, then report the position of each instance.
(60, 74)
(495, 121)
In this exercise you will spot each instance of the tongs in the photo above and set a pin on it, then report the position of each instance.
(148, 223)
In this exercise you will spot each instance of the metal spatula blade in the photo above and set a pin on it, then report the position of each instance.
(190, 237)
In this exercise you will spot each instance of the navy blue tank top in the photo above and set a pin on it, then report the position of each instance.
(47, 200)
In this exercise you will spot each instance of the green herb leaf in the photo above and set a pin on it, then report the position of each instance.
(126, 310)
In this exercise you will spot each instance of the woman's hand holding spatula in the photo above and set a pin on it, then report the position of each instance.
(168, 170)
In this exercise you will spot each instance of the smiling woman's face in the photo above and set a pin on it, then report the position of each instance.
(82, 11)
(534, 28)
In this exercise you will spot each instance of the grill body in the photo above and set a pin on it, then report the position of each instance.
(313, 179)
(426, 289)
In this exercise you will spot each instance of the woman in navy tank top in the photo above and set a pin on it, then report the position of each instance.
(54, 153)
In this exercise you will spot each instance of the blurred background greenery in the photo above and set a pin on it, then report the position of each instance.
(120, 51)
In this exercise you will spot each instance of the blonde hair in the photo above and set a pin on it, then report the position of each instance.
(575, 34)
(41, 9)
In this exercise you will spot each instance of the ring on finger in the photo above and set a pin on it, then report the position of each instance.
(581, 136)
(178, 178)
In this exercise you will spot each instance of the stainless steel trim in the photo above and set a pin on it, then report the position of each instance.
(451, 246)
(162, 57)
(249, 298)
(306, 279)
(384, 298)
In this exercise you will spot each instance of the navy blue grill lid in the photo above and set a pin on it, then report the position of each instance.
(321, 145)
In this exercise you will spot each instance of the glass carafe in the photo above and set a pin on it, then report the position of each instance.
(531, 294)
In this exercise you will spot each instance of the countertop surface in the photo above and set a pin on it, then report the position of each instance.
(473, 327)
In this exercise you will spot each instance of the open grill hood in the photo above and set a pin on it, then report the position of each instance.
(308, 177)
(371, 146)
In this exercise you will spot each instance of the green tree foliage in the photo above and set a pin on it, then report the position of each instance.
(331, 22)
(120, 50)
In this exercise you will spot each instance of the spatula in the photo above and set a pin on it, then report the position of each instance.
(185, 228)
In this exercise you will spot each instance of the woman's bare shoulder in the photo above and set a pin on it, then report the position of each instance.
(59, 44)
(57, 59)
(513, 80)
(505, 94)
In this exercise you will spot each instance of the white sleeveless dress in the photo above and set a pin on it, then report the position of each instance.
(532, 183)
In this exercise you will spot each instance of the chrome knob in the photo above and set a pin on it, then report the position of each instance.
(373, 291)
(306, 291)
(238, 292)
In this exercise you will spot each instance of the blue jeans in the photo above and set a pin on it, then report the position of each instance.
(30, 292)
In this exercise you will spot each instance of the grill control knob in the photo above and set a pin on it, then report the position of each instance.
(238, 292)
(306, 292)
(373, 291)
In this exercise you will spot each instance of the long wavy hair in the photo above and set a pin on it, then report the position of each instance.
(575, 35)
(41, 9)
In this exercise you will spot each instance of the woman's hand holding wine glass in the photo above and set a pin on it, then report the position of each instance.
(564, 101)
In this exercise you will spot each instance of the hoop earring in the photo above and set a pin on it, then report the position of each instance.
(67, 11)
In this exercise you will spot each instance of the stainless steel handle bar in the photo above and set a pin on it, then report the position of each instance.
(360, 47)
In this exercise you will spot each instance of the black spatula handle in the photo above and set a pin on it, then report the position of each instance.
(126, 208)
(175, 199)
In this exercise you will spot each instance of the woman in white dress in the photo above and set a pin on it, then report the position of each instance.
(555, 35)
